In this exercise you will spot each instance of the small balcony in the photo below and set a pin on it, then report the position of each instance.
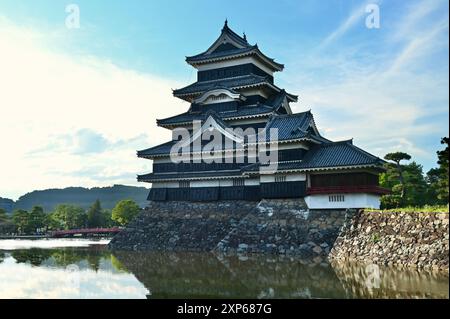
(370, 189)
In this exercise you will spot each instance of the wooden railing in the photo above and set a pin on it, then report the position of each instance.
(371, 189)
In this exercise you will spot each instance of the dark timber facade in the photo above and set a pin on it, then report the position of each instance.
(235, 88)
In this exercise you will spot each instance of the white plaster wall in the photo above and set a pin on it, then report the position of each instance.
(251, 182)
(351, 201)
(289, 178)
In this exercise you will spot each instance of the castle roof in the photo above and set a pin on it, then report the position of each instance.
(234, 83)
(230, 45)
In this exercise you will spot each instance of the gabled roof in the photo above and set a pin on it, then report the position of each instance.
(338, 154)
(331, 155)
(231, 46)
(245, 111)
(230, 83)
(293, 126)
(235, 83)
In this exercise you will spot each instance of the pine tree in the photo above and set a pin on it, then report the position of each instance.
(95, 215)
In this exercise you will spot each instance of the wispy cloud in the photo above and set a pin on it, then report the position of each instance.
(64, 113)
(389, 96)
(355, 16)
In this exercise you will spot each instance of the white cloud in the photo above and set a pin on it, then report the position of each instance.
(386, 96)
(354, 17)
(79, 113)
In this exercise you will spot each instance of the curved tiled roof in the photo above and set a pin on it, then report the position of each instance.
(230, 83)
(232, 52)
(328, 156)
(188, 117)
(338, 154)
(190, 175)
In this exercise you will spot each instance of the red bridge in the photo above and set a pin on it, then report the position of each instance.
(86, 232)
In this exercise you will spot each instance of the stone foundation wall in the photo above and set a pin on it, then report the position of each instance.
(287, 227)
(269, 226)
(395, 239)
(284, 226)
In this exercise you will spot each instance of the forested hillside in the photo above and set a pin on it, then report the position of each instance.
(79, 196)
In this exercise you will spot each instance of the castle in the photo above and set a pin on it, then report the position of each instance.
(240, 140)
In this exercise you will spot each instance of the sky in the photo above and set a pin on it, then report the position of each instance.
(77, 102)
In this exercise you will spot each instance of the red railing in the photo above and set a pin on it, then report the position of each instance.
(85, 231)
(371, 189)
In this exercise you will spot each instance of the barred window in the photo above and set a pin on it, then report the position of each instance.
(280, 178)
(185, 184)
(336, 198)
(238, 182)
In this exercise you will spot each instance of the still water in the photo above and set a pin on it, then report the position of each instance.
(87, 269)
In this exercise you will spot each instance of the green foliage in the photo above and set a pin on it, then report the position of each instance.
(442, 183)
(414, 209)
(376, 238)
(95, 215)
(397, 157)
(409, 185)
(68, 217)
(3, 216)
(81, 197)
(390, 201)
(125, 211)
(396, 170)
(37, 218)
(21, 220)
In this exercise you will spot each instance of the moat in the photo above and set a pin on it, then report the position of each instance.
(87, 269)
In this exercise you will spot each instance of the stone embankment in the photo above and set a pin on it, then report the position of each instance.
(287, 227)
(269, 226)
(395, 239)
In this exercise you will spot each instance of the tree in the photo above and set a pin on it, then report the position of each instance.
(415, 185)
(443, 158)
(21, 220)
(37, 218)
(125, 211)
(3, 216)
(68, 217)
(95, 215)
(397, 157)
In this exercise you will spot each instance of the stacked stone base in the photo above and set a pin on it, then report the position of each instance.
(395, 239)
(269, 226)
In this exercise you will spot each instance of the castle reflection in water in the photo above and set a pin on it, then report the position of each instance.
(207, 275)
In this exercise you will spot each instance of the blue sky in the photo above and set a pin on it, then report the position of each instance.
(82, 101)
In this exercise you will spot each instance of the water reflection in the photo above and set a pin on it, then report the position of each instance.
(203, 275)
(66, 273)
(367, 281)
(200, 275)
(95, 272)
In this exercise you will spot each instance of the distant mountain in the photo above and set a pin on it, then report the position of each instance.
(6, 204)
(83, 197)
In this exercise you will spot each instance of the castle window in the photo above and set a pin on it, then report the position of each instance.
(280, 179)
(336, 198)
(184, 184)
(238, 182)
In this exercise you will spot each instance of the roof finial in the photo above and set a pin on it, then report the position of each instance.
(245, 37)
(226, 23)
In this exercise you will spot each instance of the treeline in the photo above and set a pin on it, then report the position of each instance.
(83, 197)
(65, 217)
(410, 186)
